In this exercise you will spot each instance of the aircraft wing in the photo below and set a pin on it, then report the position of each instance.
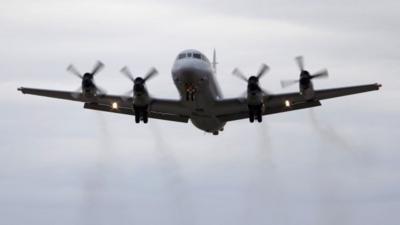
(296, 97)
(163, 109)
(73, 96)
(235, 109)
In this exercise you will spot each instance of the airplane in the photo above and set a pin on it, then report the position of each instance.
(201, 100)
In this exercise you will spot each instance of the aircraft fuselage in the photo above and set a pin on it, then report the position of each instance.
(194, 78)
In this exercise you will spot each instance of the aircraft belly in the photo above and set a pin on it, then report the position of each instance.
(202, 113)
(207, 123)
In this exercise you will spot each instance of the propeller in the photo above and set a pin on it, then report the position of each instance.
(252, 81)
(305, 76)
(300, 62)
(87, 78)
(97, 68)
(150, 74)
(138, 82)
(125, 70)
(261, 72)
(71, 68)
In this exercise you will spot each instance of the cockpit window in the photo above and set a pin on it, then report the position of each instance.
(181, 56)
(192, 55)
(204, 58)
(196, 55)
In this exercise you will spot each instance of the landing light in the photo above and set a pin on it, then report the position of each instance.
(287, 103)
(114, 105)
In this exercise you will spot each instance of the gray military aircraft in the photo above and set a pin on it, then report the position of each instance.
(201, 99)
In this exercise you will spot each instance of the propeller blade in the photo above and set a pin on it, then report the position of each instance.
(300, 62)
(99, 89)
(265, 92)
(99, 66)
(128, 93)
(236, 72)
(125, 97)
(244, 94)
(77, 92)
(128, 73)
(263, 69)
(286, 83)
(320, 74)
(152, 72)
(71, 68)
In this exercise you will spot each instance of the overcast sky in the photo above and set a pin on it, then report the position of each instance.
(61, 164)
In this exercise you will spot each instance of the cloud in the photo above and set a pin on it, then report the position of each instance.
(52, 157)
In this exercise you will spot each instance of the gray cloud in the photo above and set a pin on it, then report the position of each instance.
(52, 165)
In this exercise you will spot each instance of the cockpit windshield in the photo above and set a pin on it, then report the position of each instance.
(195, 55)
(182, 55)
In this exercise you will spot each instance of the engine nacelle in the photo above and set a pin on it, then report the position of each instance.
(141, 103)
(255, 105)
(255, 94)
(307, 90)
(141, 113)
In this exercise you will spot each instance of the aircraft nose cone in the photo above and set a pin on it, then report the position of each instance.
(187, 72)
(186, 76)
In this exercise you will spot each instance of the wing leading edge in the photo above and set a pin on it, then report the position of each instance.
(323, 94)
(171, 110)
(236, 109)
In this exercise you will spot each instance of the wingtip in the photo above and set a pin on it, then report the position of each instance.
(379, 85)
(20, 89)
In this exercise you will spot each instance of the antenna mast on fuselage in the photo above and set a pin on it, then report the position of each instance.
(214, 62)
